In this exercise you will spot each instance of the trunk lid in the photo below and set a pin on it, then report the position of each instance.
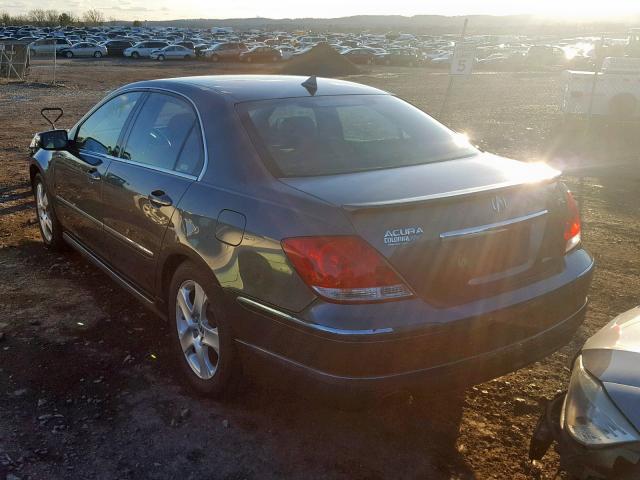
(457, 230)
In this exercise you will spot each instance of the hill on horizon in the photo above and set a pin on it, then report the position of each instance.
(419, 24)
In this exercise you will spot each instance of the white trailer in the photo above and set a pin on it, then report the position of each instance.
(613, 92)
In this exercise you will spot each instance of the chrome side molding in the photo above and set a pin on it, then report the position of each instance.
(107, 228)
(247, 302)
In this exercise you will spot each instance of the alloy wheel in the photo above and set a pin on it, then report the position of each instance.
(44, 214)
(197, 330)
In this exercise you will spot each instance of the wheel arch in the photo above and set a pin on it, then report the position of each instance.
(170, 262)
(33, 171)
(40, 163)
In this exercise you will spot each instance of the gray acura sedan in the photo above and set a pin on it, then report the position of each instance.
(323, 226)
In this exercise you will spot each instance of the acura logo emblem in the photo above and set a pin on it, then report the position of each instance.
(499, 204)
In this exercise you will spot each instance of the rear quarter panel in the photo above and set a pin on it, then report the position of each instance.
(257, 267)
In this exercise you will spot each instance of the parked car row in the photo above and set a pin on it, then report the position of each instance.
(223, 44)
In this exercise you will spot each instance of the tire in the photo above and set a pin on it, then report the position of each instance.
(135, 55)
(161, 58)
(68, 54)
(205, 370)
(50, 228)
(97, 54)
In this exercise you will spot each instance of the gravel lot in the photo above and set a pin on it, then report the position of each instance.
(86, 390)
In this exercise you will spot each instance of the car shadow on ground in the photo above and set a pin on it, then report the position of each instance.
(87, 351)
(15, 199)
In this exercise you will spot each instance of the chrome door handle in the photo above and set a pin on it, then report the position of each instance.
(160, 199)
(94, 174)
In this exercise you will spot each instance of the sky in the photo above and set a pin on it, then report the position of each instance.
(172, 9)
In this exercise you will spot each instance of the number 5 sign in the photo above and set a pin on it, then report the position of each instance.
(464, 57)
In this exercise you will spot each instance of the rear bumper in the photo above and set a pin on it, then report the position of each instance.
(481, 342)
(458, 374)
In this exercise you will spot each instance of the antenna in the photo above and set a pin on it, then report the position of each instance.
(311, 84)
(51, 122)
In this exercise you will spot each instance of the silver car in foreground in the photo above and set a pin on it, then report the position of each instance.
(596, 424)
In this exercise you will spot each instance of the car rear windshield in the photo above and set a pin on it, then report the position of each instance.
(330, 135)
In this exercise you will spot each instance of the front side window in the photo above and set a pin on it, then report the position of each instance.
(100, 132)
(166, 134)
(333, 135)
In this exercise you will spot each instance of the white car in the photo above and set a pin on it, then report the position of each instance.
(445, 59)
(48, 45)
(615, 93)
(144, 49)
(173, 52)
(286, 51)
(84, 49)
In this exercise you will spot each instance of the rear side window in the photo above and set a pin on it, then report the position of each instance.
(100, 132)
(166, 134)
(330, 135)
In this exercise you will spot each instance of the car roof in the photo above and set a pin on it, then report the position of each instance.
(247, 88)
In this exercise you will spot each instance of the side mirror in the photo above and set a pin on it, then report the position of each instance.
(50, 140)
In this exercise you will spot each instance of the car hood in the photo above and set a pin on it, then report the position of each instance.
(418, 183)
(613, 356)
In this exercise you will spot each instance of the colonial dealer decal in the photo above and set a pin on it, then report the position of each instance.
(400, 236)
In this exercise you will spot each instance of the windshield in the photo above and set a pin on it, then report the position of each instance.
(299, 137)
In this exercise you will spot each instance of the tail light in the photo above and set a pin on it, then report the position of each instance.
(344, 269)
(572, 226)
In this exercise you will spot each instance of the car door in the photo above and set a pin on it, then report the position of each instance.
(90, 49)
(81, 50)
(162, 156)
(78, 171)
(143, 49)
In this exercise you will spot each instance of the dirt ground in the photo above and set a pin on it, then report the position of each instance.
(86, 388)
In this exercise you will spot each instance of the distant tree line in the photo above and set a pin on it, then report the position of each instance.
(53, 18)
